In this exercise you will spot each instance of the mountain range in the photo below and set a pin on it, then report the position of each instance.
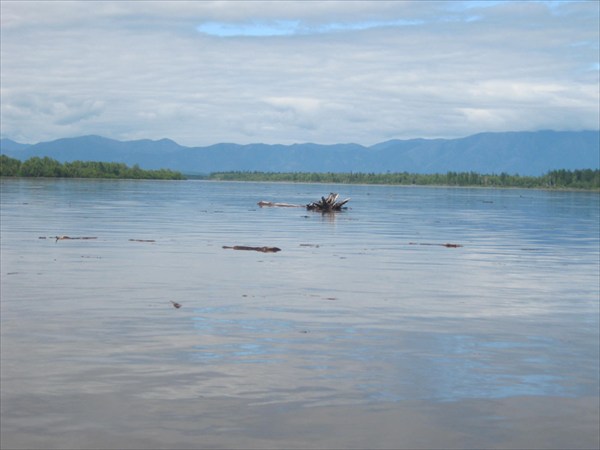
(523, 153)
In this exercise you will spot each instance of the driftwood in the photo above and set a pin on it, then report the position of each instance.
(263, 203)
(63, 238)
(256, 249)
(448, 245)
(86, 238)
(328, 204)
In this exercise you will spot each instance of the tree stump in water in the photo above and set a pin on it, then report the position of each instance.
(328, 204)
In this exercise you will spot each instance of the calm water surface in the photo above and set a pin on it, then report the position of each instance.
(362, 332)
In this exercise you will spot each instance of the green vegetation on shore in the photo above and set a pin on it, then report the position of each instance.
(48, 167)
(587, 179)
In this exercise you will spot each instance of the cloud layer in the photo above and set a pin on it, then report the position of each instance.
(285, 72)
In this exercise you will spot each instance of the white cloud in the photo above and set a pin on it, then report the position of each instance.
(282, 72)
(298, 104)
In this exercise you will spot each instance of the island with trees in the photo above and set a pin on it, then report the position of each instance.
(51, 168)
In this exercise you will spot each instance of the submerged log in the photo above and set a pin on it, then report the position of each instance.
(328, 204)
(256, 249)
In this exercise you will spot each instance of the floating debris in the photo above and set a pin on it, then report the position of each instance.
(448, 245)
(256, 249)
(328, 204)
(70, 238)
(263, 203)
(142, 240)
(176, 305)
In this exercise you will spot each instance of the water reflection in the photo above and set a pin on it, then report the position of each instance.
(386, 364)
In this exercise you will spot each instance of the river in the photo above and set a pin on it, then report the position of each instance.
(365, 331)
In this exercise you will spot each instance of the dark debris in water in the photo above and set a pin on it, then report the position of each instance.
(447, 245)
(256, 249)
(68, 238)
(84, 238)
(328, 204)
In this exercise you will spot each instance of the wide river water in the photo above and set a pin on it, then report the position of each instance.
(364, 331)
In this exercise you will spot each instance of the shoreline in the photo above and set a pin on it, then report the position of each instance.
(578, 180)
(452, 186)
(188, 177)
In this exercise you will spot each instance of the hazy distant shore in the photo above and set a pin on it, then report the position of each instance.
(583, 179)
(586, 179)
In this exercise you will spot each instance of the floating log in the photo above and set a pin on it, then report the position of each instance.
(256, 249)
(328, 204)
(263, 203)
(448, 245)
(142, 240)
(63, 238)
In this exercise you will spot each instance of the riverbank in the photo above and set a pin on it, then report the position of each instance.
(586, 179)
(50, 168)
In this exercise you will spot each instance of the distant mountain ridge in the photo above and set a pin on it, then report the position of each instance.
(524, 153)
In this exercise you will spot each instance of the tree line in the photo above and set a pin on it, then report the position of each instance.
(48, 167)
(588, 179)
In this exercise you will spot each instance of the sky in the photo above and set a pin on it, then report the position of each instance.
(204, 72)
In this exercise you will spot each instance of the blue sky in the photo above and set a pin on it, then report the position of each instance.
(259, 28)
(287, 71)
